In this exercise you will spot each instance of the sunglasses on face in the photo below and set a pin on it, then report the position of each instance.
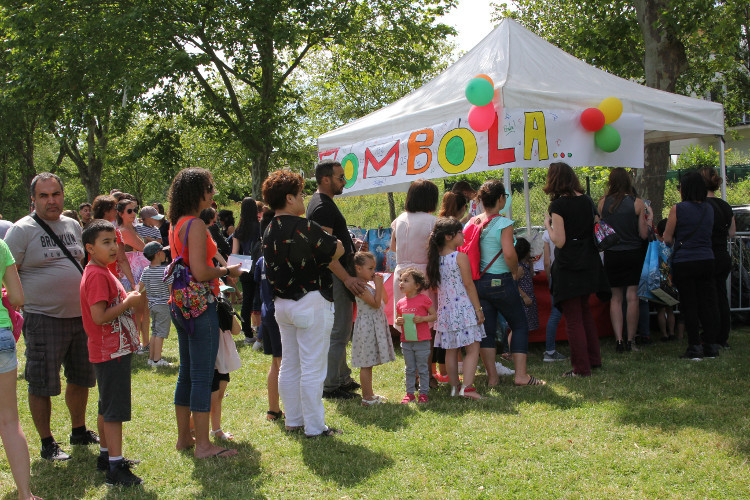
(131, 210)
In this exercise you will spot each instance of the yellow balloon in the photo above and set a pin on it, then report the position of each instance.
(612, 109)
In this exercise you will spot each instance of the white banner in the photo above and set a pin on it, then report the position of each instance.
(519, 138)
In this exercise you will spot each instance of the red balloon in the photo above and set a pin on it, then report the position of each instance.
(592, 119)
(481, 118)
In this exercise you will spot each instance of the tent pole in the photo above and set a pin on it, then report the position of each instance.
(527, 202)
(506, 183)
(723, 168)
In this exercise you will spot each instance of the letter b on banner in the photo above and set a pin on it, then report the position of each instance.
(457, 150)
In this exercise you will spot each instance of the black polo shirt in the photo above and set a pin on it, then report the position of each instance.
(324, 211)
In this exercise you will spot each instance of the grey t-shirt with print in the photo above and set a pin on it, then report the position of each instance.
(50, 280)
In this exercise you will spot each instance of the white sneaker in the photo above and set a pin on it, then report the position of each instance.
(258, 346)
(161, 362)
(503, 370)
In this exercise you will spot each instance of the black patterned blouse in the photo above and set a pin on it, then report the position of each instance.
(295, 251)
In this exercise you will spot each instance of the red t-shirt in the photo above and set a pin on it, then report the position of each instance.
(175, 246)
(419, 305)
(116, 338)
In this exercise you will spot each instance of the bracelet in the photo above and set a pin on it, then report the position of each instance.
(478, 308)
(226, 272)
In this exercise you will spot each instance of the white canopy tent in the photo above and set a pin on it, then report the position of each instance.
(529, 72)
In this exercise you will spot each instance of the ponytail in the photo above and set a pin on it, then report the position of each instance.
(444, 226)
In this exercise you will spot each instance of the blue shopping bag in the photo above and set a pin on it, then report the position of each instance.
(379, 241)
(650, 273)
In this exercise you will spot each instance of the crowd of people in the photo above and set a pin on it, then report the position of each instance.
(460, 278)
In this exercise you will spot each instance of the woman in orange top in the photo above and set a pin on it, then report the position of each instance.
(192, 190)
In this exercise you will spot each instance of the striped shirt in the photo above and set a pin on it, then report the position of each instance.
(156, 289)
(145, 231)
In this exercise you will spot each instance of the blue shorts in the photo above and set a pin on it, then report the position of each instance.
(8, 360)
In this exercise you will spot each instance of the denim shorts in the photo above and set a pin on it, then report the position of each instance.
(8, 360)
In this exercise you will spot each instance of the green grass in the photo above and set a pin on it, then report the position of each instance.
(647, 425)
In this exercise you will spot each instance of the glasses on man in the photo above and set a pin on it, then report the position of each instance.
(341, 177)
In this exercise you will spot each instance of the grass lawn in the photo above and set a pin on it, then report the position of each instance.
(648, 425)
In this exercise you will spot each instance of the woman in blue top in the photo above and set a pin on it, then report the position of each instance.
(497, 288)
(689, 227)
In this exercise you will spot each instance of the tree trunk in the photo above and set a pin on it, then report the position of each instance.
(392, 206)
(664, 61)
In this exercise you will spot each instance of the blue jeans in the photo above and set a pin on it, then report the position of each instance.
(554, 319)
(506, 300)
(197, 360)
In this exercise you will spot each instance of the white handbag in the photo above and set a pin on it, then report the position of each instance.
(227, 358)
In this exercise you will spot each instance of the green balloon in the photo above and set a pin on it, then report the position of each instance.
(479, 92)
(607, 138)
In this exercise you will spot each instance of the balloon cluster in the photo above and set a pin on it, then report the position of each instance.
(598, 120)
(480, 91)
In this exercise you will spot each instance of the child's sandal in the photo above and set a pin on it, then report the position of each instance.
(272, 416)
(469, 393)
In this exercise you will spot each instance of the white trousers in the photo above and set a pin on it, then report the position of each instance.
(305, 327)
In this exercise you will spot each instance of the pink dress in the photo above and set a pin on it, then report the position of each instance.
(411, 232)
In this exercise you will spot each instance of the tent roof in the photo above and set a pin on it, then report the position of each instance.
(532, 73)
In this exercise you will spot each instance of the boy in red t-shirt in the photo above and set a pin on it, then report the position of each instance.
(112, 340)
(413, 314)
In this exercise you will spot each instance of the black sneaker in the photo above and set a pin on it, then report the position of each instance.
(350, 386)
(693, 353)
(711, 351)
(121, 476)
(102, 463)
(339, 394)
(88, 437)
(54, 453)
(620, 346)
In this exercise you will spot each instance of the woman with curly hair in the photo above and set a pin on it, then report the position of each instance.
(295, 252)
(192, 191)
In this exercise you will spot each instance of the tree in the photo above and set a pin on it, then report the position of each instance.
(670, 45)
(239, 56)
(80, 65)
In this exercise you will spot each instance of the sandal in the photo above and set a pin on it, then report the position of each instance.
(376, 400)
(469, 393)
(219, 434)
(330, 432)
(534, 381)
(272, 416)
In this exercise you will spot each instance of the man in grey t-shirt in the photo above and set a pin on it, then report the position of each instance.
(53, 329)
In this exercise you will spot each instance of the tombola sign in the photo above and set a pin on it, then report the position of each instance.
(517, 138)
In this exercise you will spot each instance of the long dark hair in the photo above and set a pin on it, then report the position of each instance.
(248, 228)
(620, 186)
(561, 181)
(444, 226)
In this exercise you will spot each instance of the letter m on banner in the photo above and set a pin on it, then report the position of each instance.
(373, 166)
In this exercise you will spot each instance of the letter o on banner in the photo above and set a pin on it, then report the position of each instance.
(350, 164)
(457, 150)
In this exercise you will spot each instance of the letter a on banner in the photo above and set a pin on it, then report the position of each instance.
(535, 130)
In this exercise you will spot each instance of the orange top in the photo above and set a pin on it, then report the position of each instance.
(175, 246)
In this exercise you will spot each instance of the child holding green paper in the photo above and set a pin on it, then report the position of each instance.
(414, 312)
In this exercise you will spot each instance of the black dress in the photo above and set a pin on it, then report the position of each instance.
(577, 269)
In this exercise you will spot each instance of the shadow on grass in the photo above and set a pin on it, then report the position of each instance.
(656, 389)
(332, 459)
(70, 479)
(230, 477)
(391, 416)
(140, 363)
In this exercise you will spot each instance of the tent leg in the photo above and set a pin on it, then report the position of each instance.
(723, 168)
(527, 202)
(506, 183)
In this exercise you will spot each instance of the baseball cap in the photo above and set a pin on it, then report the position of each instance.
(152, 248)
(150, 212)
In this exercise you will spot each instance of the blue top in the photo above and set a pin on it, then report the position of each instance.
(266, 293)
(491, 242)
(697, 246)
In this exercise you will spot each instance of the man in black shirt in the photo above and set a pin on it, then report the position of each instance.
(330, 177)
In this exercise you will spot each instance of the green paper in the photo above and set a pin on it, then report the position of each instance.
(410, 328)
